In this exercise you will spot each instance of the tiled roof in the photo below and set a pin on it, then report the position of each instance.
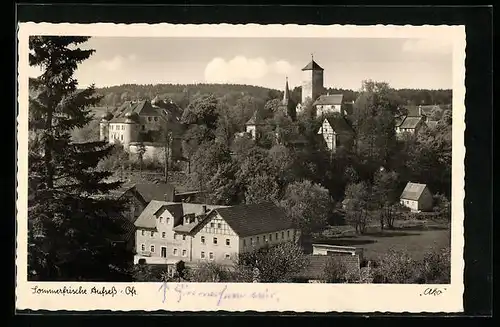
(413, 191)
(339, 125)
(187, 228)
(147, 219)
(156, 192)
(333, 99)
(315, 269)
(312, 66)
(252, 219)
(410, 122)
(145, 108)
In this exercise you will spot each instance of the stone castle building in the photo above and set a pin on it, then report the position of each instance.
(143, 122)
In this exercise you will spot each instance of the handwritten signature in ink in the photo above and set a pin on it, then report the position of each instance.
(220, 293)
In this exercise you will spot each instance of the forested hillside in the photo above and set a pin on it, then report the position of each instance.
(182, 93)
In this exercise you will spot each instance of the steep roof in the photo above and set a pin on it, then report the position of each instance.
(312, 65)
(147, 218)
(332, 99)
(410, 122)
(145, 108)
(315, 269)
(152, 191)
(252, 219)
(413, 191)
(338, 124)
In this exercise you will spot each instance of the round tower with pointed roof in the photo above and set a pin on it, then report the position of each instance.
(312, 81)
(104, 126)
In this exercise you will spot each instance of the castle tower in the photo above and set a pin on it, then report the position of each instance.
(104, 126)
(312, 81)
(130, 128)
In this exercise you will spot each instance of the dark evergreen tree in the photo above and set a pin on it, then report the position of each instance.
(72, 224)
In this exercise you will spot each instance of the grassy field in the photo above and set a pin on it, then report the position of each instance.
(416, 238)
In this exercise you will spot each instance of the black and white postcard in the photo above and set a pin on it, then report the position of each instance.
(240, 167)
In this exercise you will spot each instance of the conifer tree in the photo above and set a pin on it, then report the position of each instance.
(72, 224)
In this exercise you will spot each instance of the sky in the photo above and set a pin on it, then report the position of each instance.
(403, 63)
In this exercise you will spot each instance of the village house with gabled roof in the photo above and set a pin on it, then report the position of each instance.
(169, 232)
(146, 122)
(417, 197)
(416, 119)
(336, 132)
(329, 103)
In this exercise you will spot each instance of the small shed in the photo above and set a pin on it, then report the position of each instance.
(417, 197)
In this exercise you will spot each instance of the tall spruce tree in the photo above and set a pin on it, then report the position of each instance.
(72, 225)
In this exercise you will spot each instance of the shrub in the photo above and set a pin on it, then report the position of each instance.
(435, 267)
(396, 267)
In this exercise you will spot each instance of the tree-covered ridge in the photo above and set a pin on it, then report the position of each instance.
(182, 93)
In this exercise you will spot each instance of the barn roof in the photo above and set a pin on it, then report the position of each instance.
(410, 122)
(251, 219)
(413, 191)
(332, 99)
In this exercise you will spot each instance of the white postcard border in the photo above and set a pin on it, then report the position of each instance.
(257, 296)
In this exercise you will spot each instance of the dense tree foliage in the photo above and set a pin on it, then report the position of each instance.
(71, 230)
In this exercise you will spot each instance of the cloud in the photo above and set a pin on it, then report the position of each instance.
(241, 69)
(117, 62)
(430, 46)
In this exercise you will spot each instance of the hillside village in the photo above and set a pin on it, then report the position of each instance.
(317, 187)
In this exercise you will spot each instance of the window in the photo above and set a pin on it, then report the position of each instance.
(123, 127)
(288, 233)
(219, 225)
(143, 127)
(228, 242)
(152, 248)
(270, 237)
(282, 235)
(211, 255)
(251, 241)
(143, 232)
(184, 253)
(276, 236)
(175, 251)
(152, 234)
(202, 255)
(161, 220)
(212, 225)
(265, 238)
(215, 240)
(183, 237)
(227, 256)
(143, 247)
(175, 236)
(168, 220)
(244, 242)
(149, 118)
(121, 137)
(258, 241)
(203, 240)
(162, 234)
(163, 252)
(156, 118)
